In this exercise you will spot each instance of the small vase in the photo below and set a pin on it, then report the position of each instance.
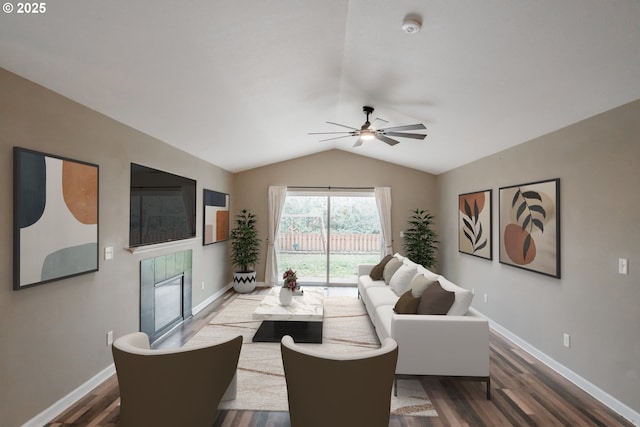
(285, 296)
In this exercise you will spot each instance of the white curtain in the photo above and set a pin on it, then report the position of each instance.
(277, 196)
(383, 202)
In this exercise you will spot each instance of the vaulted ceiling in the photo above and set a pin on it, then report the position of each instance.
(241, 83)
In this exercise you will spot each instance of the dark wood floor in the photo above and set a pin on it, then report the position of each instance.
(524, 392)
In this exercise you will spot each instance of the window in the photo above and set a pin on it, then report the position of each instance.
(324, 236)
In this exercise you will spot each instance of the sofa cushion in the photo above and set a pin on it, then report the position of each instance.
(389, 270)
(401, 279)
(381, 296)
(435, 300)
(407, 304)
(418, 284)
(378, 269)
(463, 297)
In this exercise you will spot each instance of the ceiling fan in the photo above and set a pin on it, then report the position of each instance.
(367, 133)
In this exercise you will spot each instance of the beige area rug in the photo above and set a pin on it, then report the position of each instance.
(261, 383)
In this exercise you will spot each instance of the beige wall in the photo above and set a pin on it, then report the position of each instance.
(53, 337)
(597, 161)
(410, 188)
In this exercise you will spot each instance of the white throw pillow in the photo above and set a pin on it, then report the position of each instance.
(428, 273)
(401, 279)
(463, 297)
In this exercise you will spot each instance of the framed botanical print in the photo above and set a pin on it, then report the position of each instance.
(530, 226)
(475, 225)
(55, 218)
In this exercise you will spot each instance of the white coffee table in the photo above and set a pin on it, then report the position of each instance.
(302, 319)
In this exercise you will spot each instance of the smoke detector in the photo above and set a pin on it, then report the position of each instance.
(411, 25)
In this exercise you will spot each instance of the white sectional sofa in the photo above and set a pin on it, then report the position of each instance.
(451, 345)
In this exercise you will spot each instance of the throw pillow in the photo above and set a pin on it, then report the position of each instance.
(418, 284)
(435, 300)
(401, 279)
(407, 304)
(378, 269)
(389, 270)
(463, 297)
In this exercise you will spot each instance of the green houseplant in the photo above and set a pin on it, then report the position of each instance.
(420, 239)
(245, 251)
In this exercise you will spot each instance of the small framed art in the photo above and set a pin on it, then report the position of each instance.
(475, 225)
(215, 217)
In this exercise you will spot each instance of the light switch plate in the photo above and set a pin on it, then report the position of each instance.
(623, 266)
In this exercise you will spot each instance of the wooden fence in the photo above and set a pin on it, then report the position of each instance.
(316, 242)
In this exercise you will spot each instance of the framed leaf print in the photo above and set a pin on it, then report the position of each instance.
(55, 218)
(475, 225)
(530, 226)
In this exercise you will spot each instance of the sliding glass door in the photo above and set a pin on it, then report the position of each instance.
(323, 236)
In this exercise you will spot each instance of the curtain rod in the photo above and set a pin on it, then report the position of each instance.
(294, 187)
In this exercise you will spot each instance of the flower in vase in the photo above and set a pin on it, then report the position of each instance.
(290, 280)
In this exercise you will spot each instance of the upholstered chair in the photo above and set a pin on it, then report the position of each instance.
(329, 389)
(172, 387)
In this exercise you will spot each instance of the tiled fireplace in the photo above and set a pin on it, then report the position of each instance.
(165, 293)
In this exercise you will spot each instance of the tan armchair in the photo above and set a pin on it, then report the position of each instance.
(172, 387)
(352, 389)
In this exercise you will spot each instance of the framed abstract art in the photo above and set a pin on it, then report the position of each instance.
(215, 217)
(55, 218)
(475, 225)
(530, 226)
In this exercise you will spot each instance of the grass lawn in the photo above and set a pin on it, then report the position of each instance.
(312, 267)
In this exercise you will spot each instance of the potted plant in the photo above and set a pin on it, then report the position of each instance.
(245, 250)
(420, 239)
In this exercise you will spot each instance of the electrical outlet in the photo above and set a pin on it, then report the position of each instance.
(202, 285)
(486, 297)
(109, 338)
(566, 340)
(473, 291)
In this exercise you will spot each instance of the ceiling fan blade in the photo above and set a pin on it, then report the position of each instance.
(389, 141)
(337, 137)
(358, 142)
(326, 133)
(406, 127)
(406, 135)
(344, 126)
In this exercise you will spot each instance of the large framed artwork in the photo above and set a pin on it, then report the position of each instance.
(215, 217)
(475, 225)
(55, 218)
(530, 226)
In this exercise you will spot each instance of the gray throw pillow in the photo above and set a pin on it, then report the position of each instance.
(418, 284)
(389, 270)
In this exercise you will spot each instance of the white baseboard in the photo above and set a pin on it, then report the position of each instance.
(198, 308)
(599, 394)
(195, 310)
(70, 399)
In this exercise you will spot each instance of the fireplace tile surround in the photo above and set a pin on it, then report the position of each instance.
(165, 292)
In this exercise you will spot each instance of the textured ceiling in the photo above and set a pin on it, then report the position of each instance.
(241, 83)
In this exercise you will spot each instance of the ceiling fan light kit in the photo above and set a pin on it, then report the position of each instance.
(367, 133)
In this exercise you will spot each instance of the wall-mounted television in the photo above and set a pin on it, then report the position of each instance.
(162, 206)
